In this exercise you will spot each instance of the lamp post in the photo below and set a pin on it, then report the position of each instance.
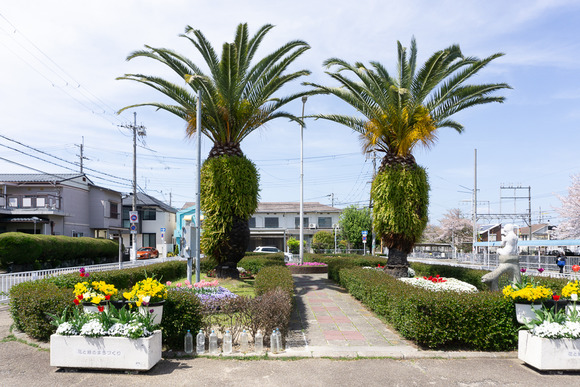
(302, 183)
(35, 219)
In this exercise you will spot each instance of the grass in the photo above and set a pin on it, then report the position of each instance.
(241, 287)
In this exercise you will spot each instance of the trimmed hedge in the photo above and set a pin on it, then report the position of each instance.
(30, 302)
(273, 277)
(21, 249)
(255, 262)
(476, 321)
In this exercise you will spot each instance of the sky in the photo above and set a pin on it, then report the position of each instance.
(60, 61)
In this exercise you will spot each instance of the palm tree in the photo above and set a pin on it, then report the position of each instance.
(237, 98)
(398, 114)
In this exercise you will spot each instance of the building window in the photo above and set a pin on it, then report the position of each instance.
(149, 214)
(324, 222)
(77, 234)
(13, 202)
(150, 240)
(26, 202)
(252, 222)
(297, 222)
(114, 210)
(271, 222)
(40, 202)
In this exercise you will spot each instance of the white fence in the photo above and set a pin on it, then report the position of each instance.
(11, 279)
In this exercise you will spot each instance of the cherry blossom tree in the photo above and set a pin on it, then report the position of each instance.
(569, 228)
(456, 228)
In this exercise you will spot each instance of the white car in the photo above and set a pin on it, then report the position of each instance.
(272, 250)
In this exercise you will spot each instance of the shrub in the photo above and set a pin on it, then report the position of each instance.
(257, 261)
(477, 321)
(273, 277)
(31, 301)
(182, 311)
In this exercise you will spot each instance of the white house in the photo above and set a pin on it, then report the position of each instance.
(274, 223)
(156, 223)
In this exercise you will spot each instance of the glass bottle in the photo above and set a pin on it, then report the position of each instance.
(244, 342)
(213, 345)
(200, 341)
(227, 342)
(188, 343)
(259, 342)
(279, 340)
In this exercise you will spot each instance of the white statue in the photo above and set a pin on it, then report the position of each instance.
(508, 259)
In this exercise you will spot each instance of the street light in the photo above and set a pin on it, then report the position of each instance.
(35, 219)
(302, 183)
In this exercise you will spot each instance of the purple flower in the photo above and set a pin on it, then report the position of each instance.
(523, 269)
(541, 269)
(151, 310)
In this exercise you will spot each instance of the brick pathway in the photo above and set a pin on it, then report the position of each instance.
(327, 321)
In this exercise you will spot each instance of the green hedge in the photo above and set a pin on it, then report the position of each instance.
(255, 262)
(25, 249)
(273, 277)
(31, 302)
(478, 321)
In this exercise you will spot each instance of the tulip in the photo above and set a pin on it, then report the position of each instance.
(555, 297)
(575, 268)
(541, 269)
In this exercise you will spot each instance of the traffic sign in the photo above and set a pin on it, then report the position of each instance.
(364, 233)
(163, 229)
(134, 216)
(133, 229)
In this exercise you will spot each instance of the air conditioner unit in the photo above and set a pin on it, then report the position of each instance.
(312, 225)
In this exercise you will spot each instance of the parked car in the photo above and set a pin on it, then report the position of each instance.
(147, 252)
(267, 249)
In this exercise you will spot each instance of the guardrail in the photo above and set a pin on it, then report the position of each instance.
(10, 279)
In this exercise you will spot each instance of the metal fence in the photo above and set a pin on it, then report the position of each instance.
(491, 261)
(10, 279)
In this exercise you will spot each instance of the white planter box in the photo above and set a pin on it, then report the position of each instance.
(105, 352)
(549, 354)
(525, 313)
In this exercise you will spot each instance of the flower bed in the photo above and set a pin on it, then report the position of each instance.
(438, 284)
(206, 292)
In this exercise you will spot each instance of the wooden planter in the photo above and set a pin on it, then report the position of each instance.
(549, 354)
(308, 269)
(105, 352)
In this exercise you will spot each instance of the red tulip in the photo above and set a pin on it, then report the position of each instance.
(76, 301)
(575, 268)
(100, 308)
(107, 297)
(555, 297)
(80, 296)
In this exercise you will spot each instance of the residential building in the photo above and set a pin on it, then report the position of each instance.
(156, 223)
(274, 223)
(58, 204)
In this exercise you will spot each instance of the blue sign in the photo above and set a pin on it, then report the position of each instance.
(364, 233)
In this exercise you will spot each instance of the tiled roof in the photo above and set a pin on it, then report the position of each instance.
(147, 200)
(36, 177)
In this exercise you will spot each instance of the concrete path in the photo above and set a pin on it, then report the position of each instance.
(329, 322)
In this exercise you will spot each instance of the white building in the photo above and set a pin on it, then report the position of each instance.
(274, 223)
(156, 223)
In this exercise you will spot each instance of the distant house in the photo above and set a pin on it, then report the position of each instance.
(184, 217)
(58, 204)
(540, 231)
(156, 223)
(274, 223)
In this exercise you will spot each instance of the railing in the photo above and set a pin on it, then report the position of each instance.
(20, 201)
(491, 261)
(11, 279)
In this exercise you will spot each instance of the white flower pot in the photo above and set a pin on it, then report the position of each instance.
(524, 312)
(105, 352)
(156, 310)
(93, 308)
(549, 354)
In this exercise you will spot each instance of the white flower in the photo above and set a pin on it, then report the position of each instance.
(574, 296)
(93, 329)
(66, 329)
(451, 284)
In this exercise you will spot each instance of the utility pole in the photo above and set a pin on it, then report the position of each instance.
(302, 183)
(371, 204)
(137, 130)
(81, 148)
(474, 200)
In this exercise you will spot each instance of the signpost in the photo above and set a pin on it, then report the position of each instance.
(364, 238)
(134, 218)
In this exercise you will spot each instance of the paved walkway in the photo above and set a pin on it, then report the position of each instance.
(329, 322)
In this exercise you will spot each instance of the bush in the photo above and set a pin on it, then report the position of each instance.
(31, 301)
(273, 277)
(182, 311)
(257, 261)
(477, 321)
(35, 251)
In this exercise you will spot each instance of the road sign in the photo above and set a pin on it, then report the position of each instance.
(364, 239)
(134, 216)
(133, 229)
(163, 229)
(364, 233)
